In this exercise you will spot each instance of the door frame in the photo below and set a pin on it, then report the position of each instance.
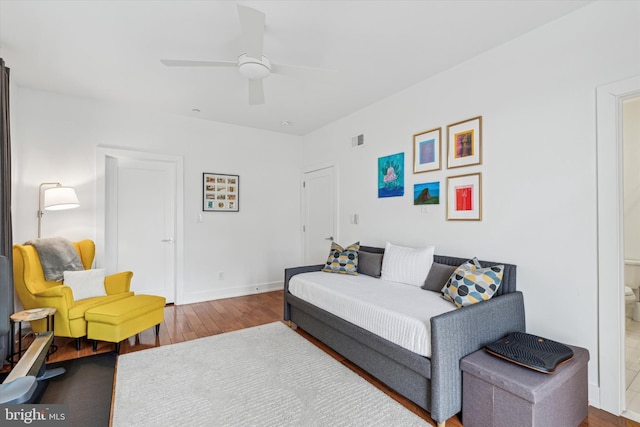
(105, 157)
(610, 234)
(303, 201)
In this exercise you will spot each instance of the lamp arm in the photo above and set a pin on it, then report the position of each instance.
(40, 197)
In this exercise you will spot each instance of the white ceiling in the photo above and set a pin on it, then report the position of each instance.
(111, 50)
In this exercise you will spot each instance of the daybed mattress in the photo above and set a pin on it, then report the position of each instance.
(397, 312)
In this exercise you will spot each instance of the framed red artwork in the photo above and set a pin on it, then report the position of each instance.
(464, 197)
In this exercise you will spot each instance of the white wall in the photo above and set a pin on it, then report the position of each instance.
(537, 98)
(56, 138)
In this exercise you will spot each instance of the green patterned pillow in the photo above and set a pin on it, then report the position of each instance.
(343, 260)
(471, 283)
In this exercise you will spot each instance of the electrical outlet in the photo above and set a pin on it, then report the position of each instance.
(221, 275)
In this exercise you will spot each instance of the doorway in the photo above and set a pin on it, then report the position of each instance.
(631, 173)
(140, 219)
(611, 307)
(319, 213)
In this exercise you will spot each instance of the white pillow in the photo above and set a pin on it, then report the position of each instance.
(406, 265)
(85, 283)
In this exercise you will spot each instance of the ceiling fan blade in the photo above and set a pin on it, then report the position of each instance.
(256, 92)
(187, 63)
(252, 23)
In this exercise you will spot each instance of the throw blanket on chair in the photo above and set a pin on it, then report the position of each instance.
(57, 254)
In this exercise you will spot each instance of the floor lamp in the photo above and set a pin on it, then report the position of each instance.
(55, 198)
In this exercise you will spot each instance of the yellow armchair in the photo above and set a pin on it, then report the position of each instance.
(35, 292)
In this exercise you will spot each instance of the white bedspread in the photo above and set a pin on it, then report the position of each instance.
(394, 311)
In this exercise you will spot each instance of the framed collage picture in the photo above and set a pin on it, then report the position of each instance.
(220, 192)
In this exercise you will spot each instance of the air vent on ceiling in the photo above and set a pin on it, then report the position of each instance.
(357, 141)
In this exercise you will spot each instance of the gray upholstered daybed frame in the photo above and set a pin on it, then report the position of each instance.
(435, 383)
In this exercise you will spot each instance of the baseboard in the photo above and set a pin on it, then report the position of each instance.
(213, 294)
(631, 415)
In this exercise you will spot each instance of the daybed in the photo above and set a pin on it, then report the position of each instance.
(434, 383)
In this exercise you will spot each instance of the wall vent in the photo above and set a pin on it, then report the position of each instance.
(358, 140)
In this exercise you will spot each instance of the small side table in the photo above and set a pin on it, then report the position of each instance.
(28, 316)
(497, 393)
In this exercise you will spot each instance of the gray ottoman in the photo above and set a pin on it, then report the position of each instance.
(499, 393)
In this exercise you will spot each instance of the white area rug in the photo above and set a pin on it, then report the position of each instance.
(262, 376)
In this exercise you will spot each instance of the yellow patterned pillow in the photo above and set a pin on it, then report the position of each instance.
(471, 284)
(343, 260)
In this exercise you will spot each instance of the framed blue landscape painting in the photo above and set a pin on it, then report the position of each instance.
(391, 176)
(427, 193)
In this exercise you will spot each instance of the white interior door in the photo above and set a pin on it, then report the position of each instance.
(142, 224)
(319, 214)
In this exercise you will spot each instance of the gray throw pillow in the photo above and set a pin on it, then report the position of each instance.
(370, 264)
(438, 277)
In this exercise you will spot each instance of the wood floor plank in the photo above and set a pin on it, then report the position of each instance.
(208, 321)
(192, 321)
(196, 322)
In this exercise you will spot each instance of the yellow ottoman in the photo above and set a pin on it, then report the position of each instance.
(124, 318)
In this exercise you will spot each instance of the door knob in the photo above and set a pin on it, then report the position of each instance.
(169, 240)
(329, 238)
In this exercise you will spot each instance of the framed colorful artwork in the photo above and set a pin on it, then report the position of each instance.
(427, 151)
(464, 143)
(391, 176)
(427, 193)
(464, 197)
(220, 192)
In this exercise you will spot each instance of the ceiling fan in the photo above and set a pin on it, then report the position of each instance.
(251, 64)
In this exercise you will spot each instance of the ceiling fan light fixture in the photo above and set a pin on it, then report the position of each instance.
(254, 69)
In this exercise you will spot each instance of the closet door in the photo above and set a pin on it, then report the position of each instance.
(319, 215)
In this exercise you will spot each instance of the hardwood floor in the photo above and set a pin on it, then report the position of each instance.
(192, 321)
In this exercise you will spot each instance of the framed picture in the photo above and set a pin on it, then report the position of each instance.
(464, 197)
(427, 193)
(220, 192)
(427, 151)
(391, 176)
(464, 143)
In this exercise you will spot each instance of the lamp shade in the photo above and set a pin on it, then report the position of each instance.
(60, 198)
